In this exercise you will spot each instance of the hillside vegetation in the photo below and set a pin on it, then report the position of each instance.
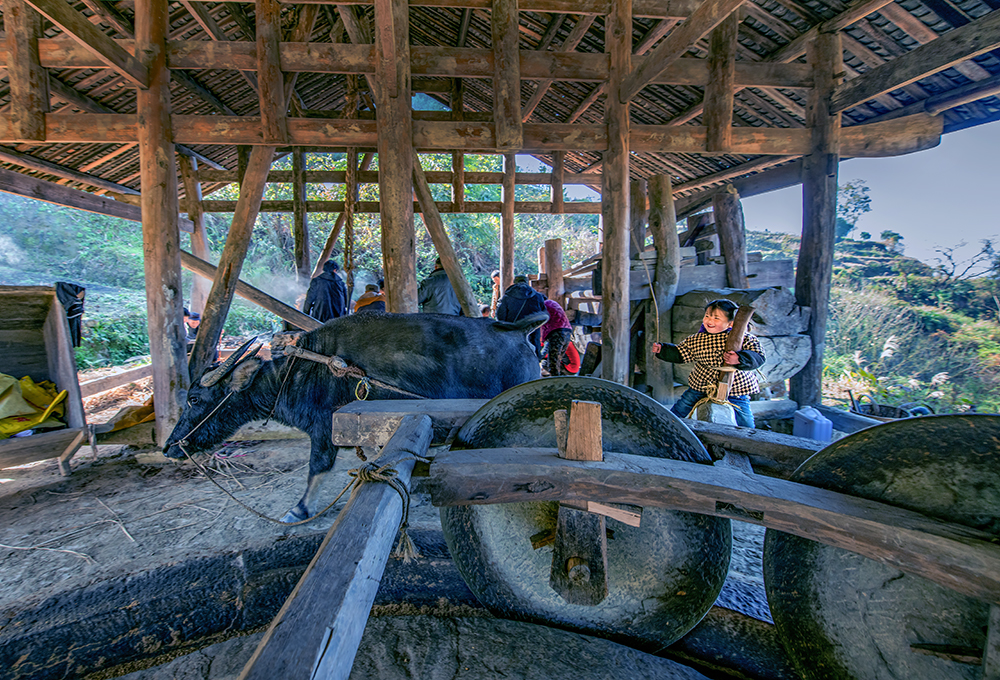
(901, 330)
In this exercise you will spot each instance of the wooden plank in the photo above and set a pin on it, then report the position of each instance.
(300, 219)
(92, 387)
(814, 272)
(231, 260)
(615, 201)
(255, 295)
(371, 423)
(732, 236)
(507, 223)
(199, 238)
(39, 446)
(663, 227)
(638, 217)
(317, 632)
(957, 557)
(270, 82)
(29, 83)
(395, 154)
(442, 244)
(160, 234)
(720, 90)
(708, 15)
(506, 76)
(961, 44)
(93, 40)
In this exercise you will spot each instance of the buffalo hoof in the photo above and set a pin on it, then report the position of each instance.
(294, 515)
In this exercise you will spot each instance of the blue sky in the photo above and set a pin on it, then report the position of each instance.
(936, 198)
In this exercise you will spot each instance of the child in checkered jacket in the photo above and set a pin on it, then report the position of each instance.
(707, 349)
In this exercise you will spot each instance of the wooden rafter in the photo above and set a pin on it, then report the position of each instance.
(93, 40)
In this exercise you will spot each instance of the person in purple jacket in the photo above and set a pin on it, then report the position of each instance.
(558, 332)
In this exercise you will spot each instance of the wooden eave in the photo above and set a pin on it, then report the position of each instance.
(212, 54)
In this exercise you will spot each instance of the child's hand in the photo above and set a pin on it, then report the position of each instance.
(656, 347)
(730, 358)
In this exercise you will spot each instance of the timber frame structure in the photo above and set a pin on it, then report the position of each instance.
(695, 97)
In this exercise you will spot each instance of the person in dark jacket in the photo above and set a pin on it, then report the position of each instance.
(521, 300)
(436, 295)
(327, 295)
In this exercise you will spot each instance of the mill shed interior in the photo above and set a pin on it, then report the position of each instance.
(143, 108)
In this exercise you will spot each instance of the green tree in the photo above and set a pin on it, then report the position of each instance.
(853, 201)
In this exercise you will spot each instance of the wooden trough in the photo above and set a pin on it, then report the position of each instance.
(317, 632)
(35, 342)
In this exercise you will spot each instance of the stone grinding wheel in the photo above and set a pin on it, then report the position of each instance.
(663, 576)
(841, 615)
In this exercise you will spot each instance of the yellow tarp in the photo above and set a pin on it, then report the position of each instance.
(26, 405)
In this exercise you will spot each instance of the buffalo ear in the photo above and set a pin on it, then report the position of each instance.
(244, 374)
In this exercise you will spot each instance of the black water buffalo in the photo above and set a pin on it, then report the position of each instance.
(433, 355)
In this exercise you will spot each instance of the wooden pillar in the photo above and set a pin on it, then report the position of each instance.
(458, 157)
(300, 219)
(395, 157)
(160, 234)
(638, 217)
(350, 201)
(558, 175)
(730, 227)
(541, 260)
(435, 227)
(270, 82)
(663, 225)
(554, 270)
(29, 82)
(199, 239)
(819, 211)
(615, 201)
(231, 260)
(721, 87)
(506, 76)
(507, 223)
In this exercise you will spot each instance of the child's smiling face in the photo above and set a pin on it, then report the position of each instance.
(715, 321)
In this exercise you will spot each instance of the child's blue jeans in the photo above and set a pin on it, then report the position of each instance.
(682, 407)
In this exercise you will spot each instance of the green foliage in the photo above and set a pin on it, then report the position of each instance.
(853, 201)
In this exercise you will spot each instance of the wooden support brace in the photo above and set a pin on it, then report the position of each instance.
(580, 552)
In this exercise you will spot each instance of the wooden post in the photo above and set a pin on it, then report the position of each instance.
(29, 82)
(558, 175)
(638, 216)
(435, 227)
(663, 225)
(300, 219)
(507, 224)
(506, 76)
(160, 233)
(541, 261)
(732, 236)
(270, 82)
(231, 260)
(458, 157)
(199, 239)
(615, 201)
(720, 90)
(317, 632)
(814, 272)
(331, 239)
(580, 552)
(395, 162)
(350, 201)
(554, 270)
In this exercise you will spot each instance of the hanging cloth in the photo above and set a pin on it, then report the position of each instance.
(71, 297)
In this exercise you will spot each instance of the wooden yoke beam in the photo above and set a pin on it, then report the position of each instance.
(506, 76)
(160, 233)
(435, 227)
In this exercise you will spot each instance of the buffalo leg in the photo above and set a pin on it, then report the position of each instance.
(321, 459)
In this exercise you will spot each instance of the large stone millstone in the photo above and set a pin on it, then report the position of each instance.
(663, 575)
(841, 615)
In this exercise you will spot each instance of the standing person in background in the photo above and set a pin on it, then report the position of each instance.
(495, 276)
(558, 333)
(484, 310)
(707, 350)
(521, 300)
(435, 294)
(327, 295)
(372, 300)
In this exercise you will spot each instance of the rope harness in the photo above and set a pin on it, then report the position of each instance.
(712, 393)
(368, 472)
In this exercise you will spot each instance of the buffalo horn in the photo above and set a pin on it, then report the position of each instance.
(229, 364)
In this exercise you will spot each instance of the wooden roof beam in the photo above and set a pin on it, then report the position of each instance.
(651, 9)
(92, 39)
(708, 15)
(271, 84)
(973, 39)
(40, 165)
(572, 40)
